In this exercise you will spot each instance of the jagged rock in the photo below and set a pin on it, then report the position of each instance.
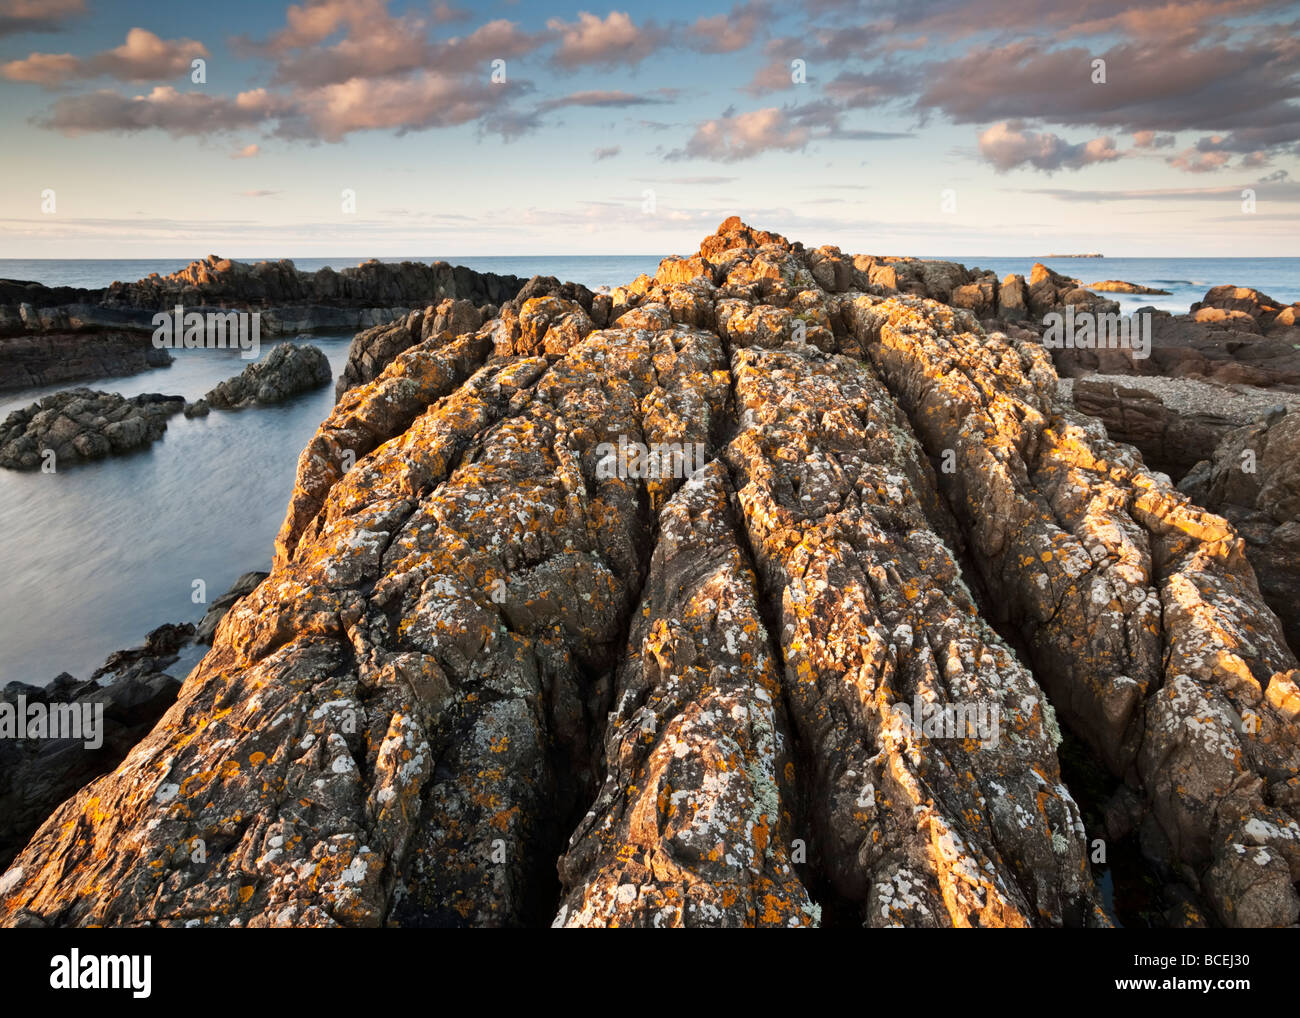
(207, 628)
(1013, 298)
(1253, 479)
(1182, 347)
(36, 774)
(61, 334)
(1140, 611)
(80, 424)
(1266, 314)
(286, 371)
(757, 684)
(1169, 441)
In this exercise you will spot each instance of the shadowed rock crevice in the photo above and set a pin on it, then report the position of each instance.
(1143, 618)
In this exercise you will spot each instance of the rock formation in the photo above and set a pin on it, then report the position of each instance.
(1169, 441)
(286, 371)
(1253, 479)
(36, 774)
(79, 424)
(1120, 286)
(819, 679)
(56, 334)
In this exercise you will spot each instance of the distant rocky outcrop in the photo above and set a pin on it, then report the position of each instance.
(1253, 479)
(39, 359)
(54, 334)
(1120, 286)
(820, 678)
(286, 371)
(1224, 346)
(80, 424)
(1246, 308)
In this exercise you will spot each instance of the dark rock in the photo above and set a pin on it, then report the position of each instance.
(37, 774)
(1169, 441)
(218, 609)
(286, 371)
(80, 424)
(1252, 478)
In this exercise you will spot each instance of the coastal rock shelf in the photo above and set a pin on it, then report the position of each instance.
(821, 679)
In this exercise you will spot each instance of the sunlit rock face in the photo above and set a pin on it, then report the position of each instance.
(816, 670)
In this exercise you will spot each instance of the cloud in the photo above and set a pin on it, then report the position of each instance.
(864, 90)
(1007, 146)
(727, 33)
(1196, 161)
(263, 193)
(178, 113)
(606, 153)
(612, 98)
(690, 181)
(1252, 87)
(444, 12)
(143, 57)
(613, 40)
(736, 136)
(37, 15)
(429, 99)
(1150, 139)
(1272, 187)
(247, 152)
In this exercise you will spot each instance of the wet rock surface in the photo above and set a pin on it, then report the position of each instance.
(78, 425)
(752, 593)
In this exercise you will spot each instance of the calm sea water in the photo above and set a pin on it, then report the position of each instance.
(95, 556)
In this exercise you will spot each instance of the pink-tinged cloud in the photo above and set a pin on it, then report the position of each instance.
(1007, 146)
(727, 33)
(1194, 161)
(311, 23)
(247, 152)
(609, 41)
(737, 136)
(426, 100)
(444, 12)
(37, 15)
(143, 57)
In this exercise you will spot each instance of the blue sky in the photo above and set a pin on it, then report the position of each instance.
(637, 128)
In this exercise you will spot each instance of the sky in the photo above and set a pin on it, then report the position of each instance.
(388, 128)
